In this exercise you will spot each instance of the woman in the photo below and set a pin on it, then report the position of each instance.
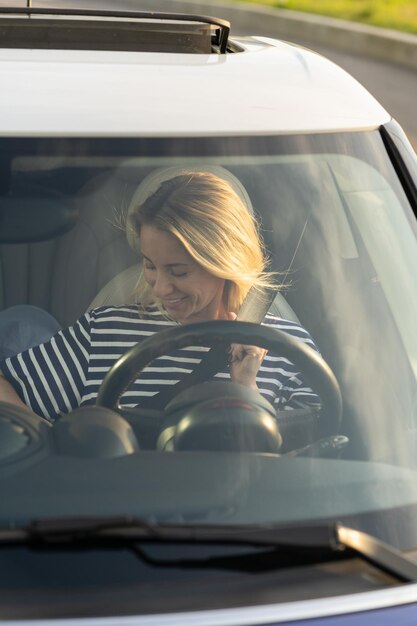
(201, 254)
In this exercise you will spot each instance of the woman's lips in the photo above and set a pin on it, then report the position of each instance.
(173, 303)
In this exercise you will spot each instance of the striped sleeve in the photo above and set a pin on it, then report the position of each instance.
(50, 378)
(280, 379)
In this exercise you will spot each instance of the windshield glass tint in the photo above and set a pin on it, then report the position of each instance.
(341, 241)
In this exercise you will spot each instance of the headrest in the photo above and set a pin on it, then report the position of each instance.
(152, 181)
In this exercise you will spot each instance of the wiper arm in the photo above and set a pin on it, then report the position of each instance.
(378, 553)
(316, 542)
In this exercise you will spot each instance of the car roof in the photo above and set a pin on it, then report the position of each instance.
(269, 87)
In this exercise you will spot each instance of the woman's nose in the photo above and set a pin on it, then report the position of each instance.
(162, 285)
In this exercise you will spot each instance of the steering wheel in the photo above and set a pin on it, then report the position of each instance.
(315, 370)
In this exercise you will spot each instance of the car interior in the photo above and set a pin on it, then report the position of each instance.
(305, 220)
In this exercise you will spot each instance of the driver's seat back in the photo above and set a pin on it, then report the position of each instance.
(95, 250)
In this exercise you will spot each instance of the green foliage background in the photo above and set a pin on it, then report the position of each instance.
(396, 14)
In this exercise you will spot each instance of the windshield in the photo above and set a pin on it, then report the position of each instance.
(340, 238)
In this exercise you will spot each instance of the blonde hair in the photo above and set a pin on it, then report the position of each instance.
(215, 227)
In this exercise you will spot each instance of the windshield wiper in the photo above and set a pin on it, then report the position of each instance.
(308, 542)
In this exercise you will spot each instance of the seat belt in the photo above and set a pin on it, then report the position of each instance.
(253, 309)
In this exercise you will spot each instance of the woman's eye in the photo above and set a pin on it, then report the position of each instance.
(179, 275)
(149, 267)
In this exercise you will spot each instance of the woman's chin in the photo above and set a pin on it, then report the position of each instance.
(177, 310)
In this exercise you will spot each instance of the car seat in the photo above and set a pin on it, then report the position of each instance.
(97, 262)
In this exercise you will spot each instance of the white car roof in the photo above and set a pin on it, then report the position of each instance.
(271, 87)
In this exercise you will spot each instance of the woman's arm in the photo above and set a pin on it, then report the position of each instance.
(8, 394)
(50, 377)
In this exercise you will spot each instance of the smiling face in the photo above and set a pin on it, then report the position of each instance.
(187, 291)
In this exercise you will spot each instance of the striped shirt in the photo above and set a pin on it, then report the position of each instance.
(67, 371)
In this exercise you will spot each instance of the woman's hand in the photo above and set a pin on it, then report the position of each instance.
(8, 394)
(244, 361)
